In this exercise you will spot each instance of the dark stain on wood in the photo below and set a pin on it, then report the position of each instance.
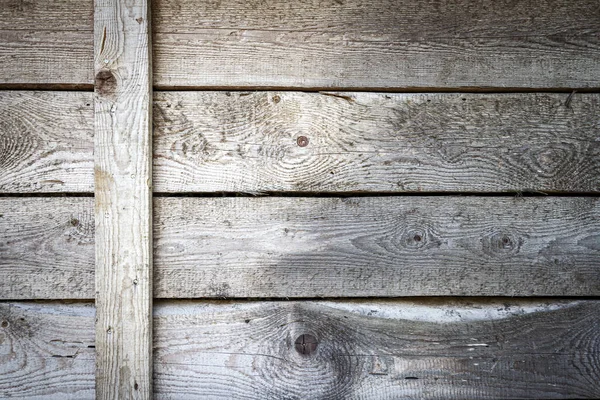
(106, 83)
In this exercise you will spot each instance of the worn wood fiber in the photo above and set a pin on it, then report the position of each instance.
(356, 142)
(309, 247)
(46, 248)
(430, 349)
(377, 246)
(383, 44)
(47, 351)
(46, 142)
(123, 194)
(46, 43)
(381, 350)
(350, 141)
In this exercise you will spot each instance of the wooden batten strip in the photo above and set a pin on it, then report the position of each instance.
(123, 193)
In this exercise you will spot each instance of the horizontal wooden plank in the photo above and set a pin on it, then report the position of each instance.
(376, 246)
(46, 142)
(47, 351)
(344, 142)
(430, 349)
(355, 142)
(383, 44)
(318, 247)
(46, 248)
(46, 43)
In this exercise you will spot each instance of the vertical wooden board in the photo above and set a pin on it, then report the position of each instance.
(123, 154)
(378, 350)
(46, 142)
(47, 350)
(46, 248)
(46, 43)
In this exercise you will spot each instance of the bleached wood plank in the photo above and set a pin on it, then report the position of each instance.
(46, 43)
(123, 193)
(468, 349)
(251, 142)
(46, 248)
(241, 142)
(377, 246)
(47, 351)
(372, 349)
(46, 142)
(309, 247)
(383, 44)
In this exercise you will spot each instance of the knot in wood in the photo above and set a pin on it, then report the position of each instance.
(302, 141)
(106, 83)
(306, 344)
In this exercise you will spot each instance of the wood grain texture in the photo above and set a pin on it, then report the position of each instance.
(249, 142)
(47, 351)
(357, 142)
(430, 349)
(378, 246)
(312, 247)
(497, 349)
(46, 248)
(46, 142)
(46, 43)
(383, 44)
(123, 194)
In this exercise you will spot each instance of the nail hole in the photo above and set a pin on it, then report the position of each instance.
(135, 386)
(74, 221)
(418, 238)
(306, 344)
(276, 99)
(4, 324)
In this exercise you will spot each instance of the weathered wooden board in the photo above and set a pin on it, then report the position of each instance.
(46, 43)
(377, 246)
(340, 142)
(47, 351)
(46, 248)
(248, 142)
(309, 247)
(387, 44)
(365, 349)
(123, 194)
(378, 350)
(46, 142)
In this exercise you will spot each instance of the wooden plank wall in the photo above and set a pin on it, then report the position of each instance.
(377, 155)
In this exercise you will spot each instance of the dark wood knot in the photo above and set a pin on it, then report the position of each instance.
(306, 344)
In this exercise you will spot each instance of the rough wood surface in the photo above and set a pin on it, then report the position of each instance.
(46, 248)
(377, 44)
(378, 350)
(376, 246)
(46, 142)
(47, 351)
(248, 142)
(430, 349)
(308, 247)
(123, 194)
(340, 142)
(46, 42)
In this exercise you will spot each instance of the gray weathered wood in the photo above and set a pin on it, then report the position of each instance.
(308, 247)
(248, 142)
(46, 42)
(377, 44)
(47, 351)
(46, 248)
(379, 350)
(433, 349)
(123, 193)
(46, 142)
(377, 246)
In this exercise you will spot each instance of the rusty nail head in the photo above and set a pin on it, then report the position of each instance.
(302, 141)
(306, 344)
